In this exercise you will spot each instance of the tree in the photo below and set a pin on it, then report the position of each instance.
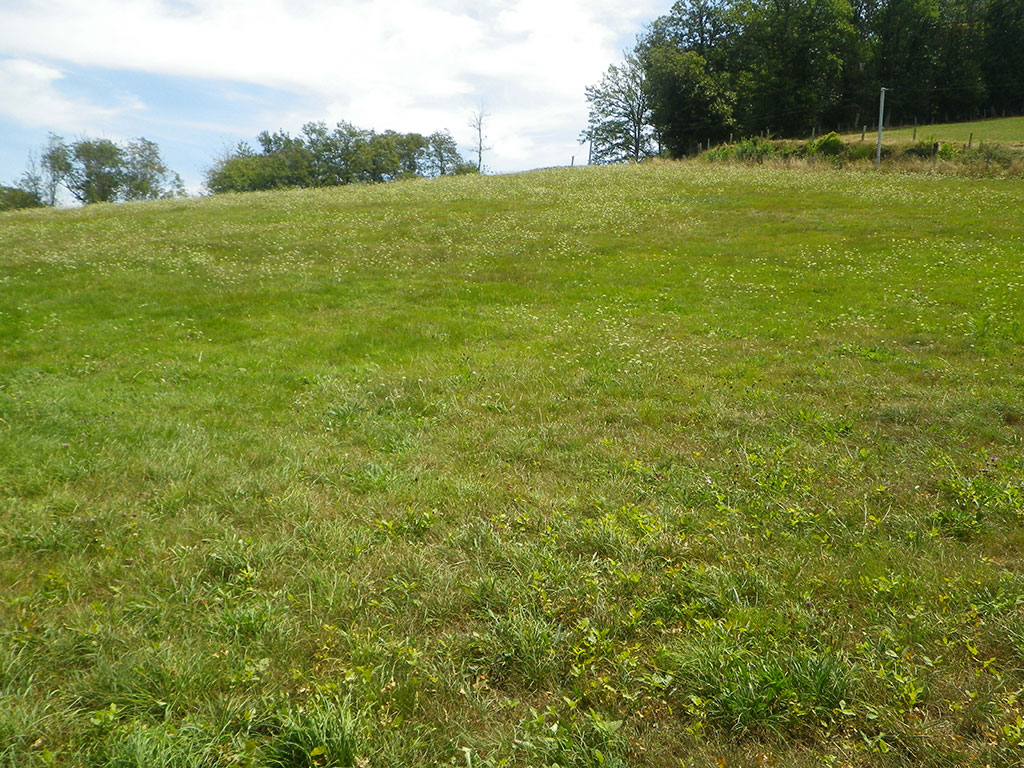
(97, 171)
(476, 122)
(145, 176)
(790, 66)
(1003, 57)
(791, 54)
(287, 162)
(702, 26)
(959, 59)
(55, 164)
(321, 157)
(100, 171)
(688, 104)
(619, 127)
(31, 186)
(906, 49)
(440, 157)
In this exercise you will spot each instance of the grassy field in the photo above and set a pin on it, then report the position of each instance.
(1006, 130)
(650, 466)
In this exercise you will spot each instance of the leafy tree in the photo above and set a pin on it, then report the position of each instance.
(688, 104)
(620, 127)
(100, 171)
(238, 170)
(788, 66)
(288, 161)
(440, 157)
(906, 49)
(330, 152)
(960, 82)
(31, 180)
(321, 156)
(97, 171)
(1003, 55)
(394, 155)
(791, 56)
(55, 163)
(706, 27)
(145, 176)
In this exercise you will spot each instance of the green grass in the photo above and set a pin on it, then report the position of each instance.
(676, 464)
(1001, 130)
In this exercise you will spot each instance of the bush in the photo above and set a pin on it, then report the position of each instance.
(755, 149)
(991, 154)
(721, 153)
(13, 198)
(829, 145)
(861, 151)
(922, 149)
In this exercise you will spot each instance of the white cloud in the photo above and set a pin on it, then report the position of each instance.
(29, 95)
(403, 64)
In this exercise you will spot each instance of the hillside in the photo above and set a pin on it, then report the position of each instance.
(1008, 131)
(653, 465)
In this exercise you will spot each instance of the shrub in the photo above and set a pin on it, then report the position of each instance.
(755, 149)
(922, 149)
(13, 198)
(861, 151)
(829, 145)
(991, 154)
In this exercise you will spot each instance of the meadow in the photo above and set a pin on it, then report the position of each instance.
(1008, 131)
(675, 464)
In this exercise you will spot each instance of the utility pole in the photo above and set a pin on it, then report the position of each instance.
(881, 118)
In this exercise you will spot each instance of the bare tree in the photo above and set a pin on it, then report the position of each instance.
(476, 122)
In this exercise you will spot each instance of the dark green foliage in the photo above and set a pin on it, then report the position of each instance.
(322, 157)
(440, 156)
(829, 145)
(790, 59)
(1003, 57)
(791, 67)
(12, 198)
(94, 170)
(689, 105)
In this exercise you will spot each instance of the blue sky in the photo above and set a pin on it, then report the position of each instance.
(197, 76)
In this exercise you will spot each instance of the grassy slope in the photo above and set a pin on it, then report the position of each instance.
(384, 474)
(1004, 130)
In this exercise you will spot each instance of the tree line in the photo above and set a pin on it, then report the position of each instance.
(93, 171)
(712, 69)
(100, 170)
(321, 157)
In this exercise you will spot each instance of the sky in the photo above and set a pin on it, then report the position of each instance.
(198, 76)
